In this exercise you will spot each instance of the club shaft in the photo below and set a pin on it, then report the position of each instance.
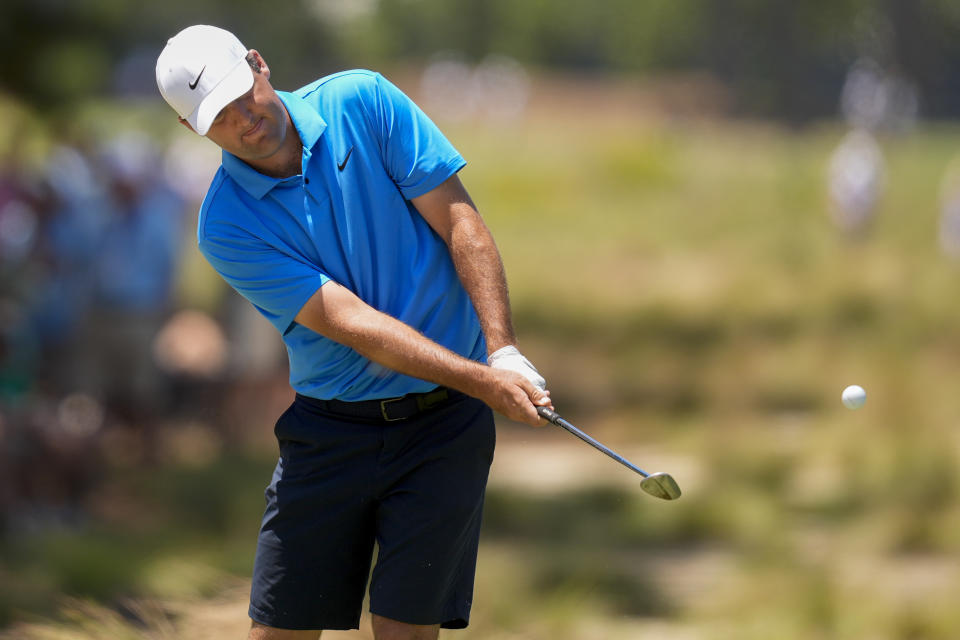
(554, 417)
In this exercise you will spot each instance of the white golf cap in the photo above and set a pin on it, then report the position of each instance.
(200, 71)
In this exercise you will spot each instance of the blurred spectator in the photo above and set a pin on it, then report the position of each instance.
(497, 89)
(73, 220)
(132, 275)
(855, 182)
(875, 99)
(18, 225)
(44, 461)
(872, 100)
(949, 228)
(19, 275)
(93, 353)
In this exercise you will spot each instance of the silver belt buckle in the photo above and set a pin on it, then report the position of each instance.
(383, 409)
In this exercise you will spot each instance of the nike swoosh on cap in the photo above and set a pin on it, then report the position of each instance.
(193, 85)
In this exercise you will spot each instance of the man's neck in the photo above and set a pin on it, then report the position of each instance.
(288, 160)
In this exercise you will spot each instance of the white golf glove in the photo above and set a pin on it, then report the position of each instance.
(511, 359)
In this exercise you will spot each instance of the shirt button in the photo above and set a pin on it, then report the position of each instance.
(306, 180)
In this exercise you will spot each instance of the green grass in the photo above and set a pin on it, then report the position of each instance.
(696, 289)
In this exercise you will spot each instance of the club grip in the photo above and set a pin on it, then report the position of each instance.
(548, 414)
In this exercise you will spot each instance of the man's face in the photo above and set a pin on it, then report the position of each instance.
(253, 126)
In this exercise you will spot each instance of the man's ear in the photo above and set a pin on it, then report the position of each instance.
(259, 65)
(185, 123)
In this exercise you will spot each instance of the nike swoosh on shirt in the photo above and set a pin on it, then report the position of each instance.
(344, 163)
(193, 85)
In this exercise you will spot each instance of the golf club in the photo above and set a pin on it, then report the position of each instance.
(659, 485)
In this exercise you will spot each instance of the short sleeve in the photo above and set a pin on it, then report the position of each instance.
(277, 284)
(417, 155)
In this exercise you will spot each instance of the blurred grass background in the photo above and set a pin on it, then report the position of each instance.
(657, 176)
(680, 284)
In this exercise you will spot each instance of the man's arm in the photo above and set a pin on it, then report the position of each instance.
(452, 214)
(336, 313)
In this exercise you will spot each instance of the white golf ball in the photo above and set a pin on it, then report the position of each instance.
(854, 396)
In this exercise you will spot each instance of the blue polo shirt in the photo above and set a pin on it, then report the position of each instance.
(367, 151)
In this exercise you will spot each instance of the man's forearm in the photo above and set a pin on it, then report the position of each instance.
(478, 264)
(338, 314)
(452, 214)
(335, 312)
(397, 346)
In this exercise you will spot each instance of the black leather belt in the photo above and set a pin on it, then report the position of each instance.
(388, 409)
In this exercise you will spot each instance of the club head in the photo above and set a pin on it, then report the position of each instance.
(661, 485)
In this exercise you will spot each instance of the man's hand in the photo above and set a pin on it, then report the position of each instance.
(514, 396)
(511, 359)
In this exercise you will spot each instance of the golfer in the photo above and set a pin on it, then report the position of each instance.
(338, 213)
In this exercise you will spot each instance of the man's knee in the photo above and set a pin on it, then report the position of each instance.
(262, 632)
(387, 629)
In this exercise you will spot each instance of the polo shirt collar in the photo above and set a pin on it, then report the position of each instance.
(309, 125)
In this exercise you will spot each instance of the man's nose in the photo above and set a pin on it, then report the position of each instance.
(239, 112)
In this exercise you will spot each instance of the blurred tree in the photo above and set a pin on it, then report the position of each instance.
(53, 51)
(782, 59)
(926, 48)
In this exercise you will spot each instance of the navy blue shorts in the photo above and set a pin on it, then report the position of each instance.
(414, 487)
